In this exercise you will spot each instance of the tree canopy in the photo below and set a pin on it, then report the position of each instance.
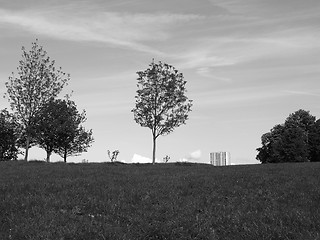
(59, 129)
(296, 140)
(161, 103)
(9, 135)
(314, 142)
(37, 81)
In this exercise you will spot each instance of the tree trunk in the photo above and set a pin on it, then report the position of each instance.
(27, 148)
(48, 156)
(65, 155)
(154, 150)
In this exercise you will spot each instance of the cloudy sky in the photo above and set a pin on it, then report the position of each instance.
(248, 65)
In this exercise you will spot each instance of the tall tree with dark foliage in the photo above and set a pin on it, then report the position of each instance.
(161, 103)
(37, 81)
(59, 129)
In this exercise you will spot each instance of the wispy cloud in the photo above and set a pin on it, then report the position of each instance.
(118, 29)
(282, 9)
(301, 93)
(211, 53)
(243, 96)
(208, 72)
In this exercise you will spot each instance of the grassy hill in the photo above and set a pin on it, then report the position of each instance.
(165, 201)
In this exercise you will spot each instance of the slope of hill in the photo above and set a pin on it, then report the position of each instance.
(165, 201)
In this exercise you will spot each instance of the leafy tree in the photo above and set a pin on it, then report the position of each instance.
(314, 142)
(69, 137)
(9, 134)
(302, 119)
(269, 151)
(161, 103)
(74, 144)
(37, 82)
(288, 142)
(292, 146)
(51, 119)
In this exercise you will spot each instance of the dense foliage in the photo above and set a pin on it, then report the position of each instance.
(314, 142)
(38, 81)
(167, 201)
(297, 140)
(52, 124)
(161, 103)
(9, 135)
(58, 129)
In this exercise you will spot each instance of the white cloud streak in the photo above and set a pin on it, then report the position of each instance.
(117, 29)
(210, 53)
(252, 30)
(244, 96)
(273, 8)
(142, 32)
(301, 93)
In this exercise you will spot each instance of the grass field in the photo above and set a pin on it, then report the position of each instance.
(165, 201)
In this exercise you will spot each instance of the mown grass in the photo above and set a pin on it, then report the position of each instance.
(165, 201)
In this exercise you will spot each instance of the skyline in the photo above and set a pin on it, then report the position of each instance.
(248, 65)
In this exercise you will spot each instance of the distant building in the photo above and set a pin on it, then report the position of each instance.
(220, 158)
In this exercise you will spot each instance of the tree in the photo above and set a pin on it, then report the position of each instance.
(302, 119)
(74, 144)
(161, 103)
(314, 142)
(292, 145)
(37, 82)
(50, 123)
(288, 142)
(70, 138)
(9, 134)
(269, 152)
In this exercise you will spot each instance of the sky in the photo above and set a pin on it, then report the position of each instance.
(248, 64)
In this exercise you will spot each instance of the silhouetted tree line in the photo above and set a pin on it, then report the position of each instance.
(39, 118)
(296, 140)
